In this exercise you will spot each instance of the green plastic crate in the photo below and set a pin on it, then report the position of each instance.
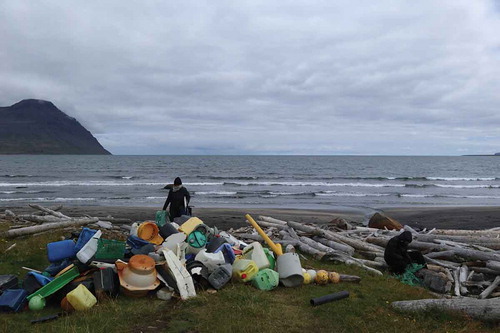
(110, 249)
(57, 283)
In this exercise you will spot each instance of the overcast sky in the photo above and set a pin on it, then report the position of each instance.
(262, 77)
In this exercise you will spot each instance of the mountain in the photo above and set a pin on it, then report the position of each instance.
(35, 126)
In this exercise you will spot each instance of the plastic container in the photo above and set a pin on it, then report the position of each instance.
(197, 239)
(136, 242)
(189, 226)
(173, 240)
(227, 251)
(85, 235)
(34, 281)
(13, 300)
(168, 229)
(8, 281)
(106, 283)
(164, 294)
(210, 260)
(161, 218)
(255, 252)
(57, 283)
(215, 243)
(290, 270)
(220, 276)
(270, 257)
(133, 229)
(149, 231)
(81, 298)
(266, 279)
(89, 249)
(110, 249)
(244, 269)
(138, 276)
(57, 251)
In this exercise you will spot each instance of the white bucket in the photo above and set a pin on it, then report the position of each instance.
(290, 270)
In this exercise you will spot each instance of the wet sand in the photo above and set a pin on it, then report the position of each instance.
(225, 218)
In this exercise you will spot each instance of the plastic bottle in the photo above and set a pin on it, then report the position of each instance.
(256, 253)
(89, 249)
(244, 269)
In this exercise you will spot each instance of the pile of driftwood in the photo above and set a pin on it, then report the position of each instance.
(465, 263)
(47, 219)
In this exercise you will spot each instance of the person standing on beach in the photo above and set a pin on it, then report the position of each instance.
(175, 198)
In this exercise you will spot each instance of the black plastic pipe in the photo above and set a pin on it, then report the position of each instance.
(329, 298)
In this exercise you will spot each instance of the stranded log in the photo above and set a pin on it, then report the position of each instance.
(485, 309)
(48, 226)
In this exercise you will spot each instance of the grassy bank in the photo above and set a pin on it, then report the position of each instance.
(238, 307)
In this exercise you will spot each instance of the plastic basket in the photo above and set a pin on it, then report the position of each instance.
(110, 249)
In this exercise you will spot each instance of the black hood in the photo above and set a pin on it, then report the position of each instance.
(405, 237)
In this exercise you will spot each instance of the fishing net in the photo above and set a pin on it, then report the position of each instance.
(408, 277)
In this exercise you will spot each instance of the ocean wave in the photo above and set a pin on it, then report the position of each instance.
(344, 194)
(312, 184)
(467, 186)
(17, 176)
(215, 193)
(25, 192)
(449, 196)
(49, 199)
(81, 183)
(231, 177)
(123, 177)
(420, 185)
(463, 178)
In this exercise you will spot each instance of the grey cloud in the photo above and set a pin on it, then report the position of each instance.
(295, 77)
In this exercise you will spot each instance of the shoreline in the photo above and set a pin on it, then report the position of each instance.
(445, 217)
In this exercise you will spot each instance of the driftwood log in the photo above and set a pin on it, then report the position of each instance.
(48, 226)
(491, 288)
(50, 211)
(484, 309)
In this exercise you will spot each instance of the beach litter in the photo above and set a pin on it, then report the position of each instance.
(179, 260)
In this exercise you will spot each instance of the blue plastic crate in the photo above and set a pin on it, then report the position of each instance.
(13, 300)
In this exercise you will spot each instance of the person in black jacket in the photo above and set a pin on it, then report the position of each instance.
(175, 198)
(398, 257)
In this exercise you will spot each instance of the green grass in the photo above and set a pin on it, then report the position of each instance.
(238, 307)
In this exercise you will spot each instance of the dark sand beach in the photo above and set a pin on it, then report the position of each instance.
(225, 218)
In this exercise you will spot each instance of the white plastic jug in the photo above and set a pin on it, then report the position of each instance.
(89, 249)
(255, 252)
(210, 260)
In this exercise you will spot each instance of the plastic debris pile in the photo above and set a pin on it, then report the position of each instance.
(168, 259)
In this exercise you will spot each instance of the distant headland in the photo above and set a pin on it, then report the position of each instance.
(496, 154)
(34, 126)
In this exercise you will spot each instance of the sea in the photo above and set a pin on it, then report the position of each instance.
(301, 182)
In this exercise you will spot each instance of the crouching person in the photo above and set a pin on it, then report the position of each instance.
(398, 257)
